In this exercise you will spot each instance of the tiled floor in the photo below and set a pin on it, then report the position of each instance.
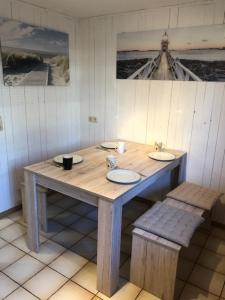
(65, 268)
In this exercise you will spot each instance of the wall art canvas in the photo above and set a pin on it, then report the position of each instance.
(188, 54)
(33, 55)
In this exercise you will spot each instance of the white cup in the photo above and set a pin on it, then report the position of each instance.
(111, 162)
(121, 147)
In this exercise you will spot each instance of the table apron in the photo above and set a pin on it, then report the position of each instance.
(147, 182)
(67, 190)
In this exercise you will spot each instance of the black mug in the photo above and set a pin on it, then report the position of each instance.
(67, 162)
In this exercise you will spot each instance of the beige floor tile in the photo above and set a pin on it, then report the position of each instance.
(126, 243)
(7, 285)
(96, 298)
(219, 233)
(125, 270)
(191, 253)
(94, 234)
(54, 210)
(67, 202)
(146, 296)
(207, 280)
(199, 238)
(45, 283)
(178, 288)
(215, 244)
(87, 277)
(128, 230)
(2, 243)
(213, 261)
(21, 243)
(191, 292)
(127, 292)
(23, 269)
(10, 255)
(53, 229)
(68, 263)
(4, 222)
(67, 238)
(16, 216)
(48, 252)
(72, 291)
(86, 247)
(21, 294)
(184, 268)
(12, 232)
(223, 292)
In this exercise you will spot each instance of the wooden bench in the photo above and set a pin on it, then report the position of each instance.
(201, 197)
(154, 259)
(43, 214)
(195, 195)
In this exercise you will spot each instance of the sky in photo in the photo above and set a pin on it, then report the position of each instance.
(201, 37)
(16, 34)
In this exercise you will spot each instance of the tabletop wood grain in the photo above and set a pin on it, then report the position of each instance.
(90, 175)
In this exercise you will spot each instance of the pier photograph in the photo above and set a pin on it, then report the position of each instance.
(32, 55)
(187, 54)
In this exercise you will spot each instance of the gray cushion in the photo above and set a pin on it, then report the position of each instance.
(169, 222)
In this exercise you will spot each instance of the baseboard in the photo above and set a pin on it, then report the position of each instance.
(9, 211)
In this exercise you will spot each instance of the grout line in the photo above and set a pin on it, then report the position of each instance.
(196, 264)
(45, 265)
(91, 261)
(138, 294)
(223, 288)
(48, 264)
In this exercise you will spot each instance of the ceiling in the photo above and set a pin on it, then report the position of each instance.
(90, 8)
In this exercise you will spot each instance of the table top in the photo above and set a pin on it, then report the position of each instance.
(90, 175)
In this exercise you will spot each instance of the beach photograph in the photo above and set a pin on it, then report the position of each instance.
(187, 54)
(33, 55)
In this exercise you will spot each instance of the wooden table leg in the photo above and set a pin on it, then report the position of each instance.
(33, 236)
(109, 238)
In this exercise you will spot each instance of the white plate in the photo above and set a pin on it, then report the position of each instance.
(109, 145)
(162, 156)
(123, 176)
(59, 159)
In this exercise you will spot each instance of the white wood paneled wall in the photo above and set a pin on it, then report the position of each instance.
(39, 122)
(183, 115)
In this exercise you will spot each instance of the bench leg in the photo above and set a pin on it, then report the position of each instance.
(154, 267)
(138, 263)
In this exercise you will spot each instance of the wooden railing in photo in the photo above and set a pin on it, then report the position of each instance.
(160, 234)
(147, 70)
(179, 71)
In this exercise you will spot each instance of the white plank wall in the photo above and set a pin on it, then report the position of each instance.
(184, 115)
(39, 122)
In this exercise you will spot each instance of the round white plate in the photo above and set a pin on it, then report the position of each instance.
(109, 145)
(123, 176)
(59, 159)
(162, 156)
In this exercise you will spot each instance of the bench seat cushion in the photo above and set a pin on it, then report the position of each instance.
(171, 223)
(195, 195)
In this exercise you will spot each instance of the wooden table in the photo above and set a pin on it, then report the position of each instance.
(87, 182)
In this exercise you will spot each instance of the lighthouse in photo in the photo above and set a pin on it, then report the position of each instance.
(165, 42)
